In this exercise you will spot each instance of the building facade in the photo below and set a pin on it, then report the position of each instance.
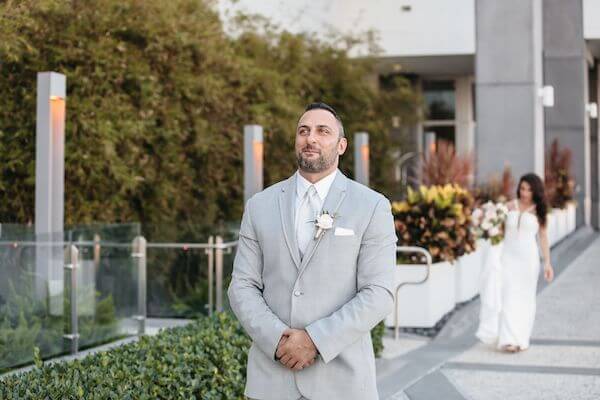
(500, 79)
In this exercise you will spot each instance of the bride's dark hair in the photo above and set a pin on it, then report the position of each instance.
(538, 194)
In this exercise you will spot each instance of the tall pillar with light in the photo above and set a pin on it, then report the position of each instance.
(253, 160)
(361, 158)
(49, 186)
(430, 144)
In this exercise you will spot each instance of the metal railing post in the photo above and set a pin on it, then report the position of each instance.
(211, 266)
(71, 265)
(139, 255)
(409, 249)
(219, 272)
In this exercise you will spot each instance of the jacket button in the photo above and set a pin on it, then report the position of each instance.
(297, 293)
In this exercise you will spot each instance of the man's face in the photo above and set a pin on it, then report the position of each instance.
(318, 142)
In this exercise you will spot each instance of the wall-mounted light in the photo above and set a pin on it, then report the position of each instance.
(546, 93)
(592, 110)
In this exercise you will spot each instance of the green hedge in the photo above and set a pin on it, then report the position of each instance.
(203, 360)
(157, 95)
(377, 338)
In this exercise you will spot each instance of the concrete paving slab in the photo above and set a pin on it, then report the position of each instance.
(559, 356)
(399, 396)
(570, 308)
(434, 386)
(490, 385)
(396, 348)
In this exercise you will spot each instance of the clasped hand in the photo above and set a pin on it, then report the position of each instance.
(296, 349)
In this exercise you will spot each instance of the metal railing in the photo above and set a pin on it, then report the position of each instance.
(71, 264)
(428, 258)
(215, 249)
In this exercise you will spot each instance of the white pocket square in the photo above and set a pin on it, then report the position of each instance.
(343, 232)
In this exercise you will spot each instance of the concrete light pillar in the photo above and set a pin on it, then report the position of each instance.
(361, 158)
(49, 186)
(430, 144)
(253, 160)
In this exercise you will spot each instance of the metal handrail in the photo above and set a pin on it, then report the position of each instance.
(50, 243)
(216, 246)
(91, 243)
(410, 249)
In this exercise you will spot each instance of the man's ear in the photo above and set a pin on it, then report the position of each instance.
(342, 145)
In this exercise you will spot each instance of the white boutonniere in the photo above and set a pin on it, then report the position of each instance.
(323, 223)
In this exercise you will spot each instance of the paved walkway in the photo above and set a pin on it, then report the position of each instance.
(563, 361)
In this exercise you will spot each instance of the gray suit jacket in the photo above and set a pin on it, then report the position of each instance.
(339, 291)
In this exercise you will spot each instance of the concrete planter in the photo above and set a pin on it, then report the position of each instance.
(425, 304)
(562, 222)
(468, 270)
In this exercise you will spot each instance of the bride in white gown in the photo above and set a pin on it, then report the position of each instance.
(520, 265)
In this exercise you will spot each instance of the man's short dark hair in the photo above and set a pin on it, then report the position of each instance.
(327, 107)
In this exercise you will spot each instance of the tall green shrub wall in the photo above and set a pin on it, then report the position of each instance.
(157, 98)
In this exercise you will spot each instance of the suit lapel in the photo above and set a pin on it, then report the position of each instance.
(287, 199)
(332, 203)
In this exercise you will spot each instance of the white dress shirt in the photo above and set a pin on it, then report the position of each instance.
(322, 188)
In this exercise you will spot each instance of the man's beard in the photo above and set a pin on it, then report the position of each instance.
(320, 164)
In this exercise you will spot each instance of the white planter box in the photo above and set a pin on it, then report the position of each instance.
(571, 217)
(468, 270)
(425, 304)
(562, 221)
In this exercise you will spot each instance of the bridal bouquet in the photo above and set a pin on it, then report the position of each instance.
(488, 222)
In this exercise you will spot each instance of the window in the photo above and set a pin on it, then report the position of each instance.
(439, 100)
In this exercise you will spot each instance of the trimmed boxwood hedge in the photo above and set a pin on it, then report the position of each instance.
(203, 360)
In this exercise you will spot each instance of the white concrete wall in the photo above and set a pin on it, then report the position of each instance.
(591, 19)
(431, 27)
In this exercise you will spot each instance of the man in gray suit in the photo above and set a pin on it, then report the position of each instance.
(313, 274)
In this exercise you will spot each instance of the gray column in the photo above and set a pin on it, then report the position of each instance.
(253, 160)
(565, 69)
(594, 88)
(361, 158)
(508, 65)
(465, 126)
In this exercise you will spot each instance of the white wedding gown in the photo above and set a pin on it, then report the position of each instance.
(511, 321)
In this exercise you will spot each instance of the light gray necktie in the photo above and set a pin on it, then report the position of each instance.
(307, 213)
